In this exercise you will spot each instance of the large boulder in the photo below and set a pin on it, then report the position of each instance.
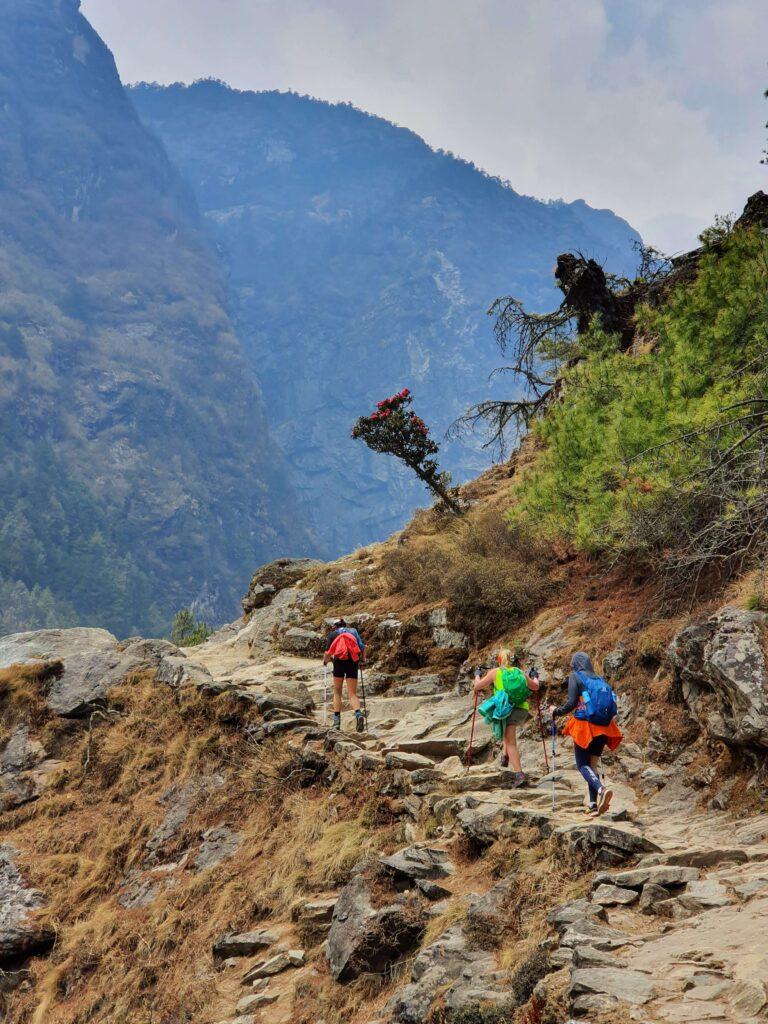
(25, 769)
(720, 665)
(364, 939)
(599, 845)
(270, 579)
(443, 636)
(179, 672)
(289, 607)
(20, 935)
(93, 662)
(417, 862)
(454, 971)
(307, 643)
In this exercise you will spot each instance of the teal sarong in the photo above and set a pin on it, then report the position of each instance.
(496, 710)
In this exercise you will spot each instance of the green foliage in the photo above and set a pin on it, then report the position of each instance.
(187, 631)
(614, 474)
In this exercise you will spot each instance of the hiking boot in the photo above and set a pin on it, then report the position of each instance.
(518, 780)
(591, 810)
(604, 798)
(360, 723)
(504, 761)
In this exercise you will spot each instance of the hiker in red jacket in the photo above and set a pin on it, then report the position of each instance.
(345, 648)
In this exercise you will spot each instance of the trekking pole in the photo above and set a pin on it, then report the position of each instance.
(472, 730)
(325, 695)
(554, 734)
(362, 689)
(541, 729)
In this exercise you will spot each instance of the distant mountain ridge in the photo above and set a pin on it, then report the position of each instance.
(137, 471)
(360, 260)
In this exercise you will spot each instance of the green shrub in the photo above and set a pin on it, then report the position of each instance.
(638, 454)
(187, 631)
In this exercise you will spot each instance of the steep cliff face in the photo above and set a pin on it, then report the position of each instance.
(137, 471)
(361, 260)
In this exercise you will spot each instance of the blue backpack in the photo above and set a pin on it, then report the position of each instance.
(599, 701)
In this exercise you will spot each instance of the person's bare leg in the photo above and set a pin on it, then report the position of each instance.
(354, 701)
(338, 686)
(510, 748)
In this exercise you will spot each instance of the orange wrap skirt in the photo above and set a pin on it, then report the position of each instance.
(583, 732)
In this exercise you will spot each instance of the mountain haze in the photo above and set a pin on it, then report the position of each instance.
(360, 260)
(137, 470)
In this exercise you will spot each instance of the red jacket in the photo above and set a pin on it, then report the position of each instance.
(345, 647)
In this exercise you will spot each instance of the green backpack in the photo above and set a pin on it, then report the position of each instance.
(515, 685)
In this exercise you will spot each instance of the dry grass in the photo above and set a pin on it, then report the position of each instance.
(457, 911)
(490, 575)
(22, 692)
(83, 837)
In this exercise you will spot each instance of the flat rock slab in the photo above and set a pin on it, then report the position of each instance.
(314, 912)
(242, 943)
(619, 983)
(408, 761)
(439, 747)
(256, 1001)
(660, 874)
(418, 861)
(589, 932)
(576, 910)
(705, 894)
(219, 844)
(268, 968)
(707, 858)
(614, 896)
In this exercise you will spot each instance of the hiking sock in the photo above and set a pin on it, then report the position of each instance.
(336, 719)
(359, 720)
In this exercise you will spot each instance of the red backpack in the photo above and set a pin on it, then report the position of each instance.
(345, 647)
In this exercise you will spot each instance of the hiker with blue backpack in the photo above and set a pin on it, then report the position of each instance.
(592, 726)
(507, 707)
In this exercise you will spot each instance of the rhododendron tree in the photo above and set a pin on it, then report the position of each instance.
(395, 429)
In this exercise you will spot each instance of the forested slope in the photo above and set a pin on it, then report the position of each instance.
(137, 470)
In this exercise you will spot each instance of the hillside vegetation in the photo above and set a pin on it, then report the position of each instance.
(659, 452)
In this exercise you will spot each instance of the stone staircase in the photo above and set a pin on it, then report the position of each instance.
(672, 930)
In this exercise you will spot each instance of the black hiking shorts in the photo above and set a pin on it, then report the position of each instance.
(344, 667)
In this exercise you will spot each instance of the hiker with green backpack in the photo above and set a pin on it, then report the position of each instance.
(508, 707)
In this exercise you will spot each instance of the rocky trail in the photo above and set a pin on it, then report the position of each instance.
(670, 929)
(654, 913)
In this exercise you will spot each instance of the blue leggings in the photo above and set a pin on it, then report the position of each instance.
(583, 755)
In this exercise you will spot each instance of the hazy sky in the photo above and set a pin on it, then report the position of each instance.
(653, 108)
